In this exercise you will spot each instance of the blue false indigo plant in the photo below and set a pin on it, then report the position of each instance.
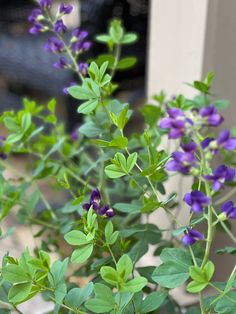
(110, 181)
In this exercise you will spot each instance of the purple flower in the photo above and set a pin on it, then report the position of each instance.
(3, 156)
(59, 26)
(221, 175)
(225, 141)
(83, 68)
(183, 161)
(191, 237)
(197, 200)
(211, 115)
(45, 4)
(174, 122)
(34, 15)
(61, 64)
(54, 45)
(36, 29)
(65, 9)
(94, 200)
(79, 34)
(229, 209)
(106, 211)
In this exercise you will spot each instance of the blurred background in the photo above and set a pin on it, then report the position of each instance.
(179, 41)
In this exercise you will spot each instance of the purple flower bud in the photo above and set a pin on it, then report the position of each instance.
(95, 196)
(65, 9)
(54, 45)
(79, 34)
(36, 29)
(190, 147)
(206, 142)
(65, 89)
(229, 209)
(211, 115)
(220, 175)
(83, 68)
(86, 206)
(59, 27)
(61, 64)
(45, 4)
(225, 141)
(197, 200)
(191, 237)
(74, 135)
(34, 15)
(86, 45)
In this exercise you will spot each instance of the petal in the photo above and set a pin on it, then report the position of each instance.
(230, 144)
(165, 123)
(175, 133)
(205, 143)
(196, 234)
(227, 207)
(174, 112)
(172, 165)
(216, 185)
(224, 136)
(188, 240)
(188, 199)
(197, 208)
(230, 175)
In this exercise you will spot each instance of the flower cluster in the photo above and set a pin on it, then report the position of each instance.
(187, 125)
(94, 202)
(42, 21)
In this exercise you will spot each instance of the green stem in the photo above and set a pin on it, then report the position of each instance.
(225, 197)
(201, 303)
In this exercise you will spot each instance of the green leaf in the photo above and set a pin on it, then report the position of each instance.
(88, 106)
(109, 275)
(116, 31)
(104, 301)
(109, 235)
(124, 267)
(227, 249)
(52, 105)
(135, 285)
(103, 38)
(90, 129)
(221, 104)
(194, 286)
(77, 296)
(131, 208)
(153, 301)
(170, 275)
(15, 274)
(76, 237)
(209, 269)
(126, 63)
(119, 141)
(26, 121)
(60, 292)
(175, 268)
(129, 38)
(131, 161)
(81, 254)
(11, 124)
(19, 292)
(151, 114)
(225, 305)
(113, 171)
(80, 92)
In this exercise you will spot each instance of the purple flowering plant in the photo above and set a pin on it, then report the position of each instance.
(108, 185)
